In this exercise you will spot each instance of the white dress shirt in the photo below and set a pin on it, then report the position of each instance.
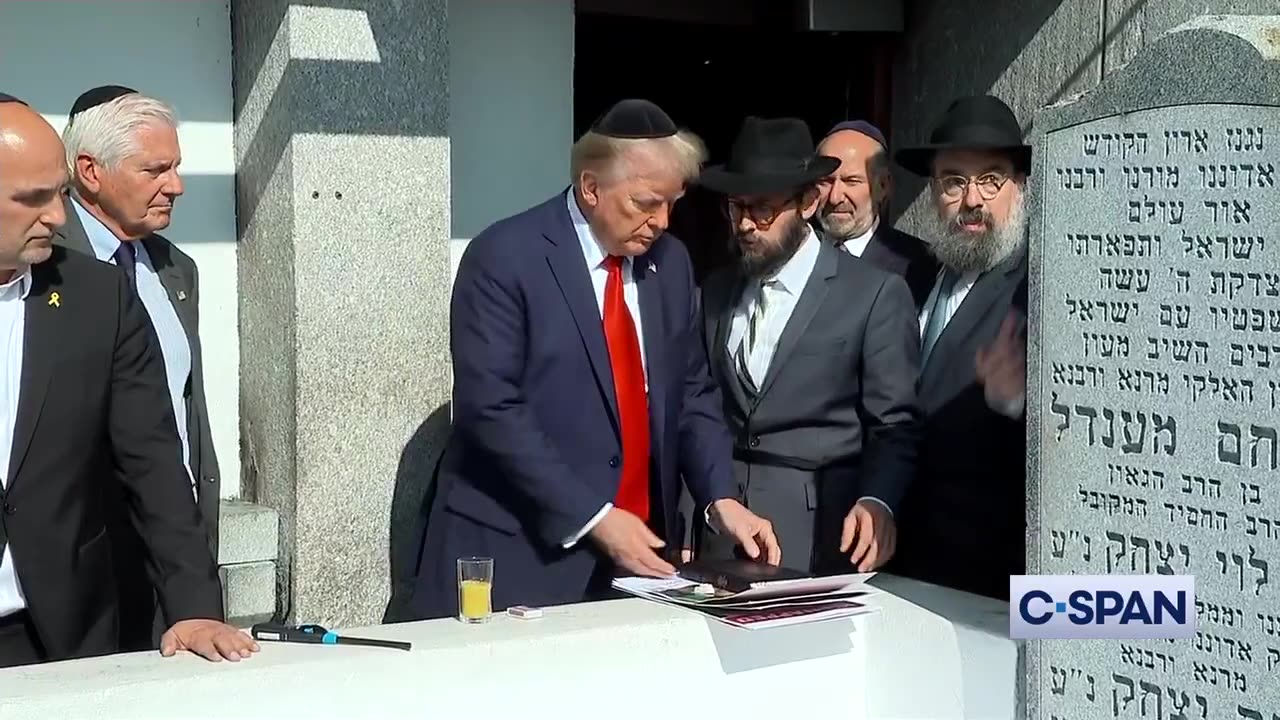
(949, 306)
(858, 245)
(951, 303)
(781, 295)
(174, 345)
(595, 257)
(13, 316)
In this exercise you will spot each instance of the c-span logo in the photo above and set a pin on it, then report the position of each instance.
(1108, 607)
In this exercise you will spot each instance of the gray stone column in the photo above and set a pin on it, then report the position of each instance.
(341, 112)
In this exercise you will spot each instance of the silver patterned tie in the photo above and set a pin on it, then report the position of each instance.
(753, 336)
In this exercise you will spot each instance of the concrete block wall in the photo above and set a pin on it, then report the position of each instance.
(248, 546)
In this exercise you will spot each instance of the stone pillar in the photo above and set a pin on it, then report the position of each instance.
(342, 194)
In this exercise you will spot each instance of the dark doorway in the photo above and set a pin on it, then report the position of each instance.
(710, 72)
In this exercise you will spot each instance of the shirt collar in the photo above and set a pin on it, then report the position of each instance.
(858, 245)
(591, 248)
(101, 239)
(794, 274)
(21, 280)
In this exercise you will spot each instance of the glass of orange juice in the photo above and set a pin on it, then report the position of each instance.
(475, 589)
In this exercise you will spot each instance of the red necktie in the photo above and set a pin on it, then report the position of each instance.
(633, 401)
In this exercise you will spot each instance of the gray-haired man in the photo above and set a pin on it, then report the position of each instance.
(123, 154)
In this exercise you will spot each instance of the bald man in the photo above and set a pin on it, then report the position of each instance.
(83, 393)
(854, 199)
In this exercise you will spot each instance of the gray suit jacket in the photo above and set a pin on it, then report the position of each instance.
(836, 417)
(179, 276)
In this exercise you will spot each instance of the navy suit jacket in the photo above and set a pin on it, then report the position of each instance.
(535, 451)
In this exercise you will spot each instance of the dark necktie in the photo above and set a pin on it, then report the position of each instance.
(937, 321)
(126, 256)
(628, 385)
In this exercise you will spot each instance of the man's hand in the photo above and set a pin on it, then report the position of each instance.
(631, 544)
(869, 529)
(750, 530)
(1002, 369)
(209, 639)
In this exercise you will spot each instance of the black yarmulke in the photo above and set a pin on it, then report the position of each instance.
(634, 118)
(99, 96)
(7, 98)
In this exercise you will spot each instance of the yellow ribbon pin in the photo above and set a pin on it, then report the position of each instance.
(55, 299)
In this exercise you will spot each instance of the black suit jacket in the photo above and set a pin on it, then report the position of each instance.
(963, 522)
(897, 252)
(94, 410)
(181, 280)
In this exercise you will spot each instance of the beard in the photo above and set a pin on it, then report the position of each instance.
(964, 252)
(763, 259)
(842, 227)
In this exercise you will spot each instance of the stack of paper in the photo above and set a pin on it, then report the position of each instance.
(776, 604)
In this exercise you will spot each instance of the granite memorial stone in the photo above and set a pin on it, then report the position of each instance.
(1154, 370)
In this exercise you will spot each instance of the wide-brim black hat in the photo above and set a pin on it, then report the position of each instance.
(769, 155)
(972, 123)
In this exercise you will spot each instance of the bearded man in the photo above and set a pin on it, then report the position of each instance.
(816, 354)
(963, 522)
(855, 202)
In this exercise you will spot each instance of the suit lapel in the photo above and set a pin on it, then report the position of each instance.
(719, 352)
(811, 298)
(45, 308)
(570, 270)
(881, 254)
(653, 328)
(72, 232)
(989, 288)
(175, 285)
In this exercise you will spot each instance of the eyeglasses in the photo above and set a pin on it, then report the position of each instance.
(954, 187)
(762, 214)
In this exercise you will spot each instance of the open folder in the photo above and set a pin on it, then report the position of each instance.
(756, 597)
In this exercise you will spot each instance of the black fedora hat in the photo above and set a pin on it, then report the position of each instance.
(769, 155)
(981, 122)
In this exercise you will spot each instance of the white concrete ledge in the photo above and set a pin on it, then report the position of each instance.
(986, 659)
(619, 659)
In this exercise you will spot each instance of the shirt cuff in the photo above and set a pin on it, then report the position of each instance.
(706, 515)
(877, 501)
(595, 520)
(1013, 409)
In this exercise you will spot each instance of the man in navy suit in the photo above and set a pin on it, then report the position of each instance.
(581, 390)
